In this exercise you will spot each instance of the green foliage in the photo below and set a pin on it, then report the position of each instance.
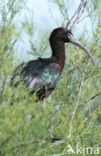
(46, 128)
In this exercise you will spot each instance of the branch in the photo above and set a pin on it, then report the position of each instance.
(80, 12)
(83, 18)
(77, 102)
(33, 48)
(93, 113)
(77, 15)
(93, 97)
(74, 14)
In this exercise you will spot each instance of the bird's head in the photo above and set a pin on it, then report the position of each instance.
(64, 35)
(61, 34)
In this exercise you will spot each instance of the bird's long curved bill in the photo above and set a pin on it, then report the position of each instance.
(77, 43)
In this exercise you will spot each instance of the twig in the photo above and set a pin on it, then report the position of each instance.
(80, 87)
(80, 12)
(74, 14)
(93, 97)
(86, 16)
(75, 108)
(33, 48)
(93, 113)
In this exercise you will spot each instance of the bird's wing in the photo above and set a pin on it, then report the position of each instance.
(42, 79)
(37, 75)
(16, 75)
(24, 70)
(47, 78)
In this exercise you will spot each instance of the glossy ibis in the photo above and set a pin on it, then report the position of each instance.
(41, 75)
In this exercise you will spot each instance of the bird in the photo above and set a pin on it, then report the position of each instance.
(41, 76)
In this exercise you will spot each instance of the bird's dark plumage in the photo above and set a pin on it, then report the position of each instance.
(41, 75)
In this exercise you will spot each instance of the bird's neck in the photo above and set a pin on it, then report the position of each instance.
(58, 52)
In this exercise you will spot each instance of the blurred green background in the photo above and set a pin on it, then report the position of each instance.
(47, 128)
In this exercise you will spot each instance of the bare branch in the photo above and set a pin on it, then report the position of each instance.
(74, 14)
(88, 15)
(77, 102)
(77, 15)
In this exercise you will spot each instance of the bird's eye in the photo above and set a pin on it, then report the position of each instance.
(69, 35)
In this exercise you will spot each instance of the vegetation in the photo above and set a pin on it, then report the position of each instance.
(71, 115)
